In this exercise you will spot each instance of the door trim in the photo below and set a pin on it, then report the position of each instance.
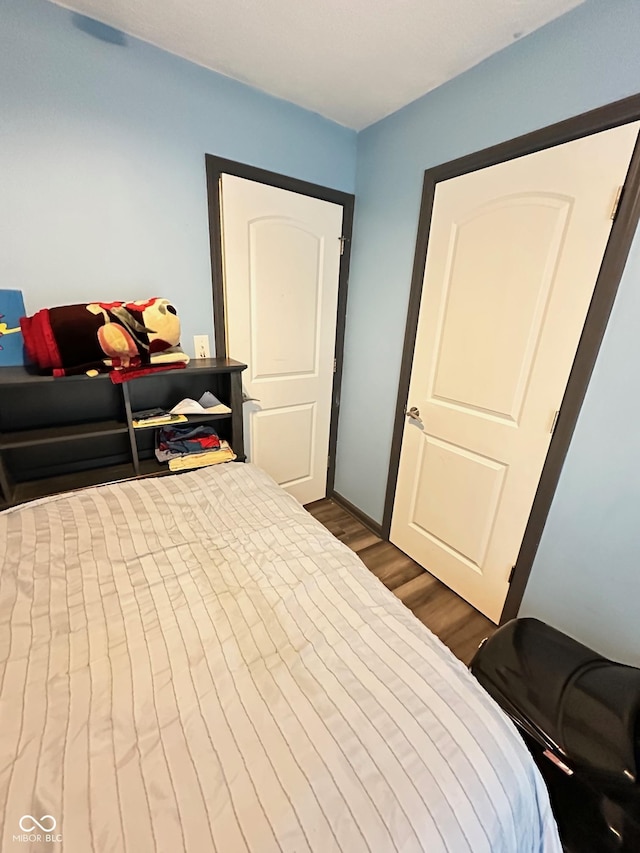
(215, 168)
(609, 276)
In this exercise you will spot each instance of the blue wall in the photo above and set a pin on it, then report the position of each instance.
(102, 182)
(587, 58)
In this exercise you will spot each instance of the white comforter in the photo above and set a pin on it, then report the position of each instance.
(194, 663)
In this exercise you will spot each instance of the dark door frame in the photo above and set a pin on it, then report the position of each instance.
(215, 168)
(613, 263)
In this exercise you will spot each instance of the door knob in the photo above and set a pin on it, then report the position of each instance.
(413, 413)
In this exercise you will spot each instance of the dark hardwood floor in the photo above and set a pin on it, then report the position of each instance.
(457, 624)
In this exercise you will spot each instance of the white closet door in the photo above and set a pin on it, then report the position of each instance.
(281, 268)
(514, 253)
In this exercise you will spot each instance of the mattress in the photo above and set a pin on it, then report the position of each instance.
(194, 663)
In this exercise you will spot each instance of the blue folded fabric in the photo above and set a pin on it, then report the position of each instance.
(183, 439)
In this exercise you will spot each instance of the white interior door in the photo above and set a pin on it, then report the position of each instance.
(281, 269)
(514, 253)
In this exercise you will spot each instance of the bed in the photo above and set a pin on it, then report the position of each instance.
(194, 663)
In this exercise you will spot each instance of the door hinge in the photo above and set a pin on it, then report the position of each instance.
(555, 421)
(616, 204)
(511, 573)
(328, 462)
(335, 364)
(343, 240)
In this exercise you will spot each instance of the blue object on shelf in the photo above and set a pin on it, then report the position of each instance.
(11, 344)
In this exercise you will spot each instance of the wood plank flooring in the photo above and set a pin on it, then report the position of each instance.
(455, 622)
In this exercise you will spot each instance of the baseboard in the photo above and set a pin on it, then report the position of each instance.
(353, 510)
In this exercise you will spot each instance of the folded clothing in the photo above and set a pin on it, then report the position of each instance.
(208, 404)
(176, 441)
(200, 460)
(126, 374)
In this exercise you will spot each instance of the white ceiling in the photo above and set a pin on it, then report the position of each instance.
(354, 61)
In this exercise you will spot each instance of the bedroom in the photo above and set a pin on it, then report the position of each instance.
(102, 191)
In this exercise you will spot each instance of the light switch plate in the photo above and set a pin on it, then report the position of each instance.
(201, 346)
